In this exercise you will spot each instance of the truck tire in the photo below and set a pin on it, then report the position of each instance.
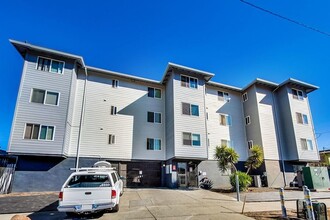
(116, 208)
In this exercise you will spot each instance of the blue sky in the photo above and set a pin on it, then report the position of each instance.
(229, 38)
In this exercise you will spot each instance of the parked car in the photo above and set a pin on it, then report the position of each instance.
(90, 190)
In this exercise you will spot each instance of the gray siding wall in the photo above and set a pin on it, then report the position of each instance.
(267, 123)
(169, 115)
(27, 112)
(69, 120)
(303, 131)
(286, 132)
(216, 132)
(253, 130)
(129, 126)
(187, 123)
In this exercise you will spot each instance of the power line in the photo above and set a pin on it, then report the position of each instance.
(287, 19)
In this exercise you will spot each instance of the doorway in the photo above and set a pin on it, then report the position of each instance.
(182, 174)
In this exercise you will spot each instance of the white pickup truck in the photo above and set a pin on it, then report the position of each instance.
(91, 190)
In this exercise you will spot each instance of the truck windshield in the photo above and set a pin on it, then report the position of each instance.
(79, 181)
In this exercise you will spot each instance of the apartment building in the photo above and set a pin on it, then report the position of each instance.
(156, 133)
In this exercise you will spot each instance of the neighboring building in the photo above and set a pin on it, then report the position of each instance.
(325, 157)
(157, 133)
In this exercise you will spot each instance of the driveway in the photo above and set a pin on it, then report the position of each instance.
(164, 204)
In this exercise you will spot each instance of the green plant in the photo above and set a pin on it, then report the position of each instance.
(255, 159)
(226, 157)
(244, 180)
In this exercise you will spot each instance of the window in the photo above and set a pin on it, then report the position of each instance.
(111, 139)
(247, 120)
(189, 82)
(46, 133)
(89, 180)
(154, 93)
(306, 144)
(191, 139)
(227, 143)
(50, 65)
(115, 83)
(113, 110)
(154, 117)
(302, 118)
(33, 131)
(297, 94)
(245, 97)
(223, 96)
(44, 97)
(114, 178)
(225, 120)
(190, 109)
(250, 144)
(154, 144)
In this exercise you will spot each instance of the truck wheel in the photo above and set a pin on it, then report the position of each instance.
(116, 208)
(71, 214)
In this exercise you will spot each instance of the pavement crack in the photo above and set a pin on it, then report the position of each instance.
(151, 213)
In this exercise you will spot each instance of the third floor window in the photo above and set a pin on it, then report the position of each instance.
(302, 118)
(44, 97)
(225, 120)
(223, 96)
(190, 109)
(154, 93)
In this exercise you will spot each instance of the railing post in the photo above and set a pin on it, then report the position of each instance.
(284, 214)
(237, 187)
(309, 204)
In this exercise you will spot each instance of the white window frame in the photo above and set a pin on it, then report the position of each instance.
(154, 97)
(226, 116)
(307, 142)
(229, 143)
(300, 98)
(300, 116)
(191, 139)
(114, 111)
(111, 139)
(190, 109)
(245, 97)
(225, 96)
(247, 120)
(154, 144)
(115, 83)
(250, 144)
(50, 67)
(189, 77)
(161, 119)
(40, 126)
(44, 101)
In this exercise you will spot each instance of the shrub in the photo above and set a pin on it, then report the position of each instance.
(244, 181)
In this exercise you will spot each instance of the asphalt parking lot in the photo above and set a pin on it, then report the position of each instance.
(140, 204)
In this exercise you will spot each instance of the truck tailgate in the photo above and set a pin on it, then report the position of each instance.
(85, 196)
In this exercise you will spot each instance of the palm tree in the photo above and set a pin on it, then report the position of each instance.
(255, 159)
(226, 157)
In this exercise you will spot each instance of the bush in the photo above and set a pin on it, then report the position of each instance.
(244, 181)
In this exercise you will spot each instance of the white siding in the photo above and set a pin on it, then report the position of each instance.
(236, 132)
(267, 123)
(129, 126)
(27, 112)
(187, 123)
(169, 102)
(303, 131)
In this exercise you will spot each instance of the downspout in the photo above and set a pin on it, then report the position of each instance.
(278, 135)
(81, 119)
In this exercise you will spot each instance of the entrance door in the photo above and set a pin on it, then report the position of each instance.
(182, 174)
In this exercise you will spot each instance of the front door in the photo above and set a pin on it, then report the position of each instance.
(182, 174)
